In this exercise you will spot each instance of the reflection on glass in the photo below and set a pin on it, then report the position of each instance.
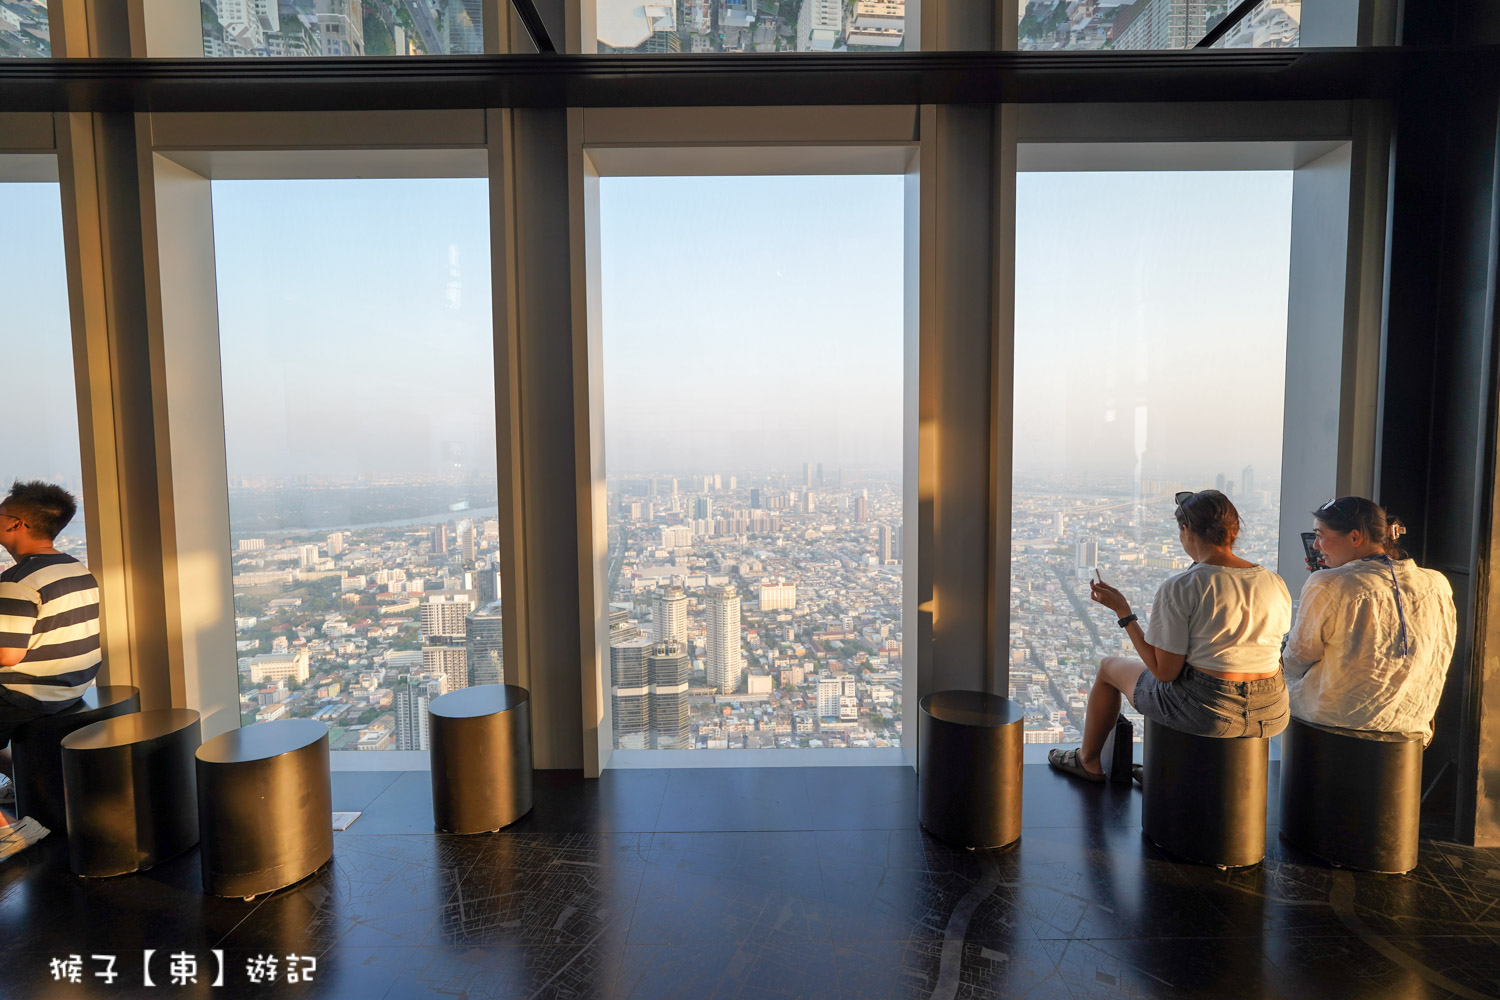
(753, 449)
(23, 29)
(359, 420)
(37, 335)
(1153, 24)
(1150, 354)
(342, 27)
(751, 25)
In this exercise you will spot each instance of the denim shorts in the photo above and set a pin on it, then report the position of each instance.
(1200, 704)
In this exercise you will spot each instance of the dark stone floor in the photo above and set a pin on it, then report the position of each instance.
(774, 882)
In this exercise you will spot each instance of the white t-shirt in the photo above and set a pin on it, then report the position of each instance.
(1223, 618)
(1343, 664)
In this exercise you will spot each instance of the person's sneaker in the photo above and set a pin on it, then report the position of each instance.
(7, 791)
(20, 835)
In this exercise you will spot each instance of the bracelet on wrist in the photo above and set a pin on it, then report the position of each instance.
(1127, 620)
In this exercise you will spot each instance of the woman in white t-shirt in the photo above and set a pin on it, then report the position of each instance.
(1374, 633)
(1210, 660)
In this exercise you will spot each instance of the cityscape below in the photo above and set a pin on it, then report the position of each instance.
(290, 28)
(750, 611)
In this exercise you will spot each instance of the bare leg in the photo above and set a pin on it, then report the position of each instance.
(1116, 678)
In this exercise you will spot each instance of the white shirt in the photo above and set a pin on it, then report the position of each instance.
(1224, 619)
(1342, 664)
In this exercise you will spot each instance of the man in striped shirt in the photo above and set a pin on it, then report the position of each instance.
(49, 623)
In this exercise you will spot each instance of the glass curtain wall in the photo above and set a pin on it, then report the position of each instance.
(341, 27)
(1150, 354)
(37, 340)
(752, 25)
(359, 413)
(753, 445)
(1153, 24)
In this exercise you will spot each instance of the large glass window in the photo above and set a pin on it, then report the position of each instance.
(359, 412)
(342, 27)
(23, 29)
(1150, 358)
(753, 439)
(1153, 24)
(37, 338)
(752, 25)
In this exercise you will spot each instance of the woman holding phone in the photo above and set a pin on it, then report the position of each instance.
(1374, 632)
(1209, 661)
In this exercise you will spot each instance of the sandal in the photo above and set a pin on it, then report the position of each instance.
(1137, 771)
(1067, 761)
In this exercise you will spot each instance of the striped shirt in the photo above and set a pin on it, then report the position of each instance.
(49, 606)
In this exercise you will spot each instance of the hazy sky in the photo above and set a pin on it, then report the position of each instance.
(354, 318)
(752, 323)
(1151, 320)
(748, 323)
(37, 338)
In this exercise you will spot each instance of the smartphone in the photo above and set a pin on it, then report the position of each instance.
(1309, 546)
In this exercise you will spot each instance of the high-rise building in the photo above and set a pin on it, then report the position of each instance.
(631, 692)
(820, 25)
(809, 504)
(445, 616)
(830, 691)
(485, 643)
(1087, 553)
(440, 539)
(466, 544)
(878, 22)
(885, 540)
(668, 670)
(861, 509)
(755, 498)
(1219, 482)
(806, 473)
(464, 24)
(1247, 481)
(1057, 524)
(336, 543)
(340, 29)
(669, 614)
(411, 719)
(487, 586)
(778, 596)
(703, 508)
(247, 23)
(450, 662)
(723, 660)
(1161, 24)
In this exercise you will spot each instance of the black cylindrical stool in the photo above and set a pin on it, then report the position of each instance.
(1205, 799)
(969, 768)
(1353, 799)
(481, 757)
(265, 806)
(132, 799)
(37, 751)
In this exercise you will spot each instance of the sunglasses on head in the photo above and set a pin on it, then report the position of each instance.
(1182, 498)
(1336, 503)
